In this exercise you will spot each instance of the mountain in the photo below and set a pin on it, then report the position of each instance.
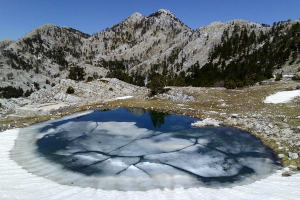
(142, 49)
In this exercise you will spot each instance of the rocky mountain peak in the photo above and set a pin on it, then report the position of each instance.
(8, 40)
(50, 30)
(242, 22)
(163, 14)
(137, 15)
(5, 43)
(41, 29)
(164, 11)
(165, 18)
(134, 18)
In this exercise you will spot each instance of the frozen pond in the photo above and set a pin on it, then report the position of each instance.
(138, 150)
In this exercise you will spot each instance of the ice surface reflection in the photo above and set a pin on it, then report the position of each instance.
(138, 150)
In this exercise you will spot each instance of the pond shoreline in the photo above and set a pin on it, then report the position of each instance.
(218, 151)
(271, 126)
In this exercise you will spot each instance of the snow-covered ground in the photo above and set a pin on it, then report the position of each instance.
(282, 97)
(124, 97)
(17, 183)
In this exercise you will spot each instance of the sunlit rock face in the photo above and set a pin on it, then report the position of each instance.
(138, 150)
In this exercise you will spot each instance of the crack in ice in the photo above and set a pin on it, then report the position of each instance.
(127, 156)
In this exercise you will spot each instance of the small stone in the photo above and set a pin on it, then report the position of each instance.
(286, 131)
(234, 115)
(293, 166)
(286, 174)
(293, 155)
(281, 155)
(206, 122)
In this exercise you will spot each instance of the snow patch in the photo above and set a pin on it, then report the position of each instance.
(282, 97)
(165, 11)
(287, 75)
(293, 155)
(206, 122)
(125, 97)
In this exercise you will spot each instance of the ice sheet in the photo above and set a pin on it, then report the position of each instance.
(17, 183)
(109, 155)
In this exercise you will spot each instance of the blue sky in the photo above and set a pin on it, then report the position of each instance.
(18, 17)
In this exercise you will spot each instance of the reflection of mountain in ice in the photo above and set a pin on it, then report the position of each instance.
(132, 154)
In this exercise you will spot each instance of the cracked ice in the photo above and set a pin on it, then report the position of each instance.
(116, 155)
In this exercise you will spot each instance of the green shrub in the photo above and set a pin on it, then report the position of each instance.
(10, 76)
(36, 70)
(76, 73)
(239, 84)
(156, 85)
(230, 84)
(278, 77)
(89, 79)
(104, 81)
(36, 85)
(159, 91)
(296, 77)
(95, 75)
(70, 90)
(11, 92)
(28, 93)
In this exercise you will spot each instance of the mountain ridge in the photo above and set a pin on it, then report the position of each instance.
(139, 46)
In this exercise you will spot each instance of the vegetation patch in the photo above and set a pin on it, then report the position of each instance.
(10, 92)
(70, 90)
(296, 77)
(76, 73)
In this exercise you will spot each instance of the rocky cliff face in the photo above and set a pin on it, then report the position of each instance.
(43, 57)
(139, 40)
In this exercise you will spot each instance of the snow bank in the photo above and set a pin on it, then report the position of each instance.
(125, 97)
(206, 122)
(287, 75)
(17, 183)
(282, 97)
